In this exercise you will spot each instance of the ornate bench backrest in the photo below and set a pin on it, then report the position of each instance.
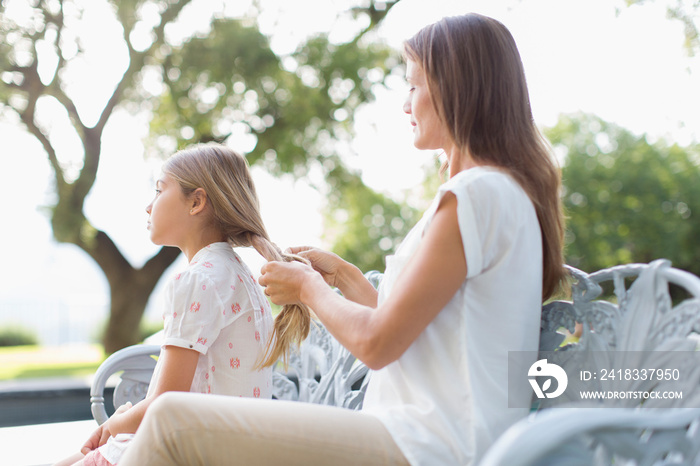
(323, 371)
(649, 297)
(639, 325)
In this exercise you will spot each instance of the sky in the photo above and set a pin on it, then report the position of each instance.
(625, 65)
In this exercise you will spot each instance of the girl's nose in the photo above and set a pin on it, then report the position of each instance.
(148, 208)
(407, 105)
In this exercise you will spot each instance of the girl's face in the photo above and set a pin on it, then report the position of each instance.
(169, 213)
(428, 129)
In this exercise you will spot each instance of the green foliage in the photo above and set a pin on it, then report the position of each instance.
(17, 336)
(365, 225)
(148, 328)
(627, 200)
(230, 84)
(21, 362)
(687, 12)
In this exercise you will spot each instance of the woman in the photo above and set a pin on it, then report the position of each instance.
(464, 288)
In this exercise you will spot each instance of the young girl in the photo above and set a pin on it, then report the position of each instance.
(219, 335)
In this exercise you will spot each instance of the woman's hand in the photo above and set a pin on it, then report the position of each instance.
(284, 281)
(326, 263)
(340, 274)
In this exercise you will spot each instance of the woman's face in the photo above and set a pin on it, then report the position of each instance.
(429, 132)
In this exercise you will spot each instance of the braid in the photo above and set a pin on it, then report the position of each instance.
(292, 324)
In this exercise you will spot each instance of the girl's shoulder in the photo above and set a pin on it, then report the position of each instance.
(215, 257)
(221, 270)
(222, 289)
(217, 264)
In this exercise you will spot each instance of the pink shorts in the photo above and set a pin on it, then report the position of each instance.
(95, 458)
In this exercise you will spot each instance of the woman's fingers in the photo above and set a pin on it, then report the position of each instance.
(324, 262)
(282, 281)
(300, 250)
(271, 277)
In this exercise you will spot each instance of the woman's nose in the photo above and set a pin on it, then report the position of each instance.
(148, 208)
(407, 105)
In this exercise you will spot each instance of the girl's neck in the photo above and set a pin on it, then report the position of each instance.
(197, 243)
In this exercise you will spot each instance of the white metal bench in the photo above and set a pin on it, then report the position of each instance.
(640, 317)
(641, 321)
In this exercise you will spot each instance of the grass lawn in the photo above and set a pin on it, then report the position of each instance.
(19, 362)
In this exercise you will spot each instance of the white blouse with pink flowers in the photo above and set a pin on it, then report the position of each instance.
(216, 307)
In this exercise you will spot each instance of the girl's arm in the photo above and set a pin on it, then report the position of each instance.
(176, 374)
(379, 336)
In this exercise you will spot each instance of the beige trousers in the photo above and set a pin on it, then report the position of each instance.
(209, 430)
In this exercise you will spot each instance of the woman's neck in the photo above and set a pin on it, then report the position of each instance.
(459, 160)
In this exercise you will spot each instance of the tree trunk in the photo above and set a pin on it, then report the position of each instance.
(130, 289)
(127, 307)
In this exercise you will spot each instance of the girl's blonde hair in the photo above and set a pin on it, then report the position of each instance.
(477, 85)
(235, 211)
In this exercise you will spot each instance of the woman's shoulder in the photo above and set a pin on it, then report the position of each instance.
(484, 180)
(492, 194)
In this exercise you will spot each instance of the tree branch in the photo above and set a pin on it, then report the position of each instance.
(32, 85)
(92, 136)
(137, 59)
(28, 119)
(155, 266)
(376, 16)
(102, 250)
(118, 270)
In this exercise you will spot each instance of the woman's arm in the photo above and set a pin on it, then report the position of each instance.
(176, 374)
(379, 336)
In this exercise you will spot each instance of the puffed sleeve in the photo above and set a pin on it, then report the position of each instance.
(193, 312)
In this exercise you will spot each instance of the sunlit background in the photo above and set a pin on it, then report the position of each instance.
(624, 62)
(627, 65)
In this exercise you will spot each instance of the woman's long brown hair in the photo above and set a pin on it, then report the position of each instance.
(477, 84)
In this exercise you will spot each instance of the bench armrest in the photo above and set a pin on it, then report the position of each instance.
(136, 364)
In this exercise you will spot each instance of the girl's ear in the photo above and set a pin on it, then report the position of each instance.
(198, 201)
